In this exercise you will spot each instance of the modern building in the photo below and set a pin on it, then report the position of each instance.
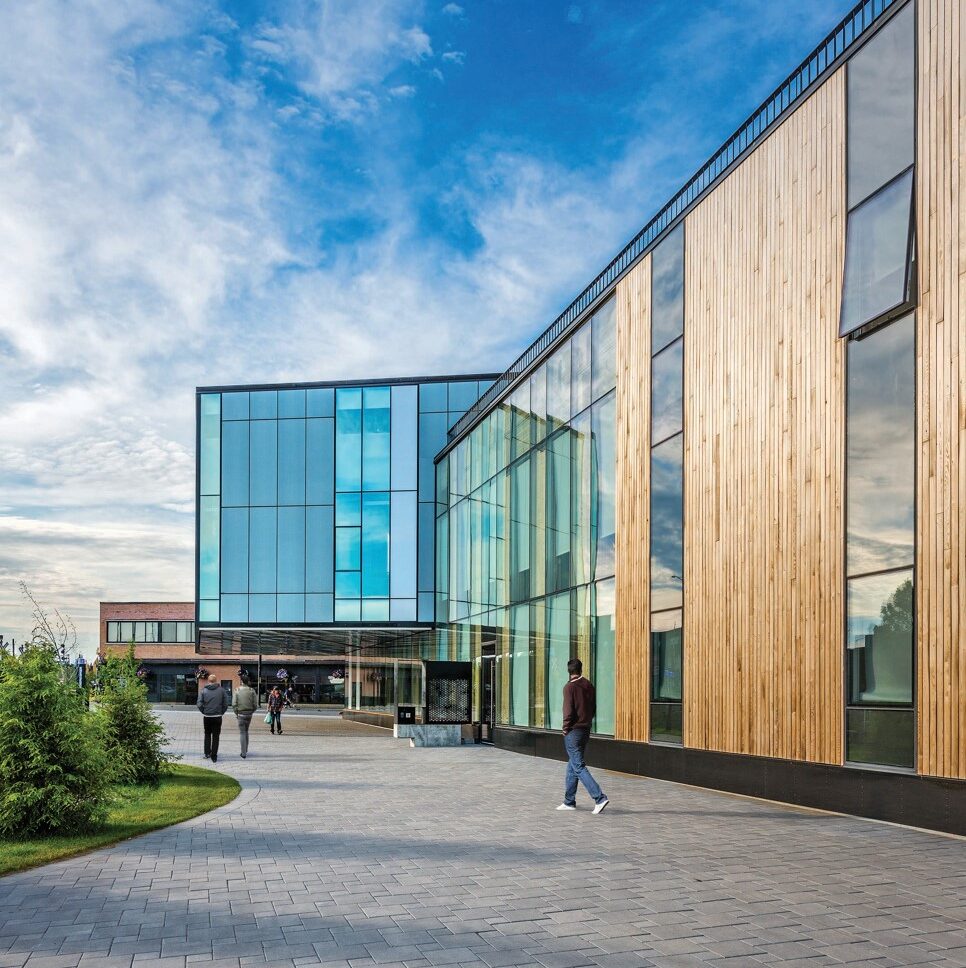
(730, 476)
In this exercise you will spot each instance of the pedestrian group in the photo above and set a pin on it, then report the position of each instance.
(213, 704)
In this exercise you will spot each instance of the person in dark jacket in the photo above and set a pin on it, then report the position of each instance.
(579, 709)
(213, 703)
(275, 703)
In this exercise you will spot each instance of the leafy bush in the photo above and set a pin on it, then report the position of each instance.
(54, 766)
(135, 737)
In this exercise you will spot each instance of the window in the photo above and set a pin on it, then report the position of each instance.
(878, 255)
(603, 485)
(169, 631)
(667, 290)
(881, 99)
(667, 392)
(580, 375)
(667, 532)
(520, 664)
(604, 350)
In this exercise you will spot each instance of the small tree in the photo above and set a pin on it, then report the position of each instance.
(136, 739)
(54, 768)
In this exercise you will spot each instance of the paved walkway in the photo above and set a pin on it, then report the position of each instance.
(354, 850)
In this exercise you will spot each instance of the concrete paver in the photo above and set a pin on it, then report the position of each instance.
(347, 848)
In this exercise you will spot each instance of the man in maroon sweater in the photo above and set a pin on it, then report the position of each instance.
(579, 709)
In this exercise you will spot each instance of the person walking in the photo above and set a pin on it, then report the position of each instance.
(579, 709)
(244, 703)
(213, 703)
(290, 696)
(275, 703)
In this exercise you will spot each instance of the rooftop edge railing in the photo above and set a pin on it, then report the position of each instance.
(854, 26)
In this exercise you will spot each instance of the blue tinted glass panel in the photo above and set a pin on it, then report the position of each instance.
(427, 545)
(263, 463)
(318, 608)
(558, 654)
(234, 608)
(209, 543)
(264, 404)
(402, 610)
(462, 396)
(319, 461)
(375, 610)
(404, 450)
(402, 568)
(291, 462)
(558, 388)
(234, 463)
(291, 608)
(347, 549)
(319, 534)
(348, 439)
(604, 645)
(432, 398)
(580, 375)
(375, 545)
(291, 549)
(234, 550)
(666, 666)
(261, 608)
(291, 403)
(348, 509)
(667, 392)
(234, 406)
(208, 611)
(262, 539)
(432, 439)
(346, 584)
(375, 438)
(347, 611)
(604, 473)
(210, 472)
(320, 402)
(427, 607)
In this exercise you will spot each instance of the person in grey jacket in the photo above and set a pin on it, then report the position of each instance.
(244, 702)
(213, 703)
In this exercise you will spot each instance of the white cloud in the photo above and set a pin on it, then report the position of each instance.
(454, 56)
(402, 90)
(453, 10)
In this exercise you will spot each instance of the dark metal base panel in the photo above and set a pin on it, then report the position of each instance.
(385, 720)
(918, 801)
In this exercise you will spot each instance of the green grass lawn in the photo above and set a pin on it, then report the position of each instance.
(183, 794)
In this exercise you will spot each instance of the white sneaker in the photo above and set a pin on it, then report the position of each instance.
(566, 806)
(600, 806)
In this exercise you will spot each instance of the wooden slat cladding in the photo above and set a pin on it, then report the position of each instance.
(764, 448)
(941, 339)
(633, 468)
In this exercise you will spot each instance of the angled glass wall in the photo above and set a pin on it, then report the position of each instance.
(316, 502)
(526, 522)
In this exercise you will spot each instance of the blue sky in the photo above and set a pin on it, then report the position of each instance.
(203, 192)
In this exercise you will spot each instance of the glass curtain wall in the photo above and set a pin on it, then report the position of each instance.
(667, 488)
(316, 503)
(525, 532)
(880, 418)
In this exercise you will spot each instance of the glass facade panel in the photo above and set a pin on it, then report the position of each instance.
(319, 461)
(877, 255)
(320, 402)
(581, 450)
(234, 406)
(666, 633)
(432, 398)
(603, 612)
(879, 639)
(580, 370)
(263, 463)
(348, 439)
(291, 403)
(375, 438)
(558, 388)
(262, 548)
(291, 549)
(604, 351)
(405, 448)
(667, 524)
(210, 443)
(291, 462)
(234, 550)
(881, 448)
(209, 540)
(603, 485)
(402, 565)
(348, 549)
(885, 737)
(235, 463)
(263, 404)
(520, 664)
(558, 655)
(667, 290)
(667, 392)
(319, 550)
(375, 545)
(881, 102)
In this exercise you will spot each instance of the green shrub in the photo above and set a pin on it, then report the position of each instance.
(135, 737)
(54, 766)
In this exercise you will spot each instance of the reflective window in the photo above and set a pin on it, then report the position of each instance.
(348, 439)
(667, 522)
(604, 351)
(320, 402)
(210, 443)
(263, 404)
(886, 737)
(403, 539)
(603, 484)
(375, 545)
(348, 509)
(291, 403)
(667, 392)
(319, 461)
(558, 512)
(879, 639)
(462, 395)
(234, 550)
(603, 612)
(290, 608)
(209, 540)
(519, 530)
(558, 654)
(348, 549)
(291, 462)
(263, 463)
(538, 408)
(877, 256)
(558, 388)
(667, 290)
(520, 664)
(580, 372)
(581, 450)
(881, 448)
(262, 544)
(405, 448)
(319, 534)
(234, 406)
(235, 463)
(291, 549)
(432, 398)
(666, 656)
(881, 103)
(375, 438)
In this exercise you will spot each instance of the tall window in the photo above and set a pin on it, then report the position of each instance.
(667, 487)
(880, 417)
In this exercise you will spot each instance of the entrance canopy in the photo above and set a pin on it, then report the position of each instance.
(382, 641)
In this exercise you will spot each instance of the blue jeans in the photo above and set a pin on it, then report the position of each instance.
(575, 742)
